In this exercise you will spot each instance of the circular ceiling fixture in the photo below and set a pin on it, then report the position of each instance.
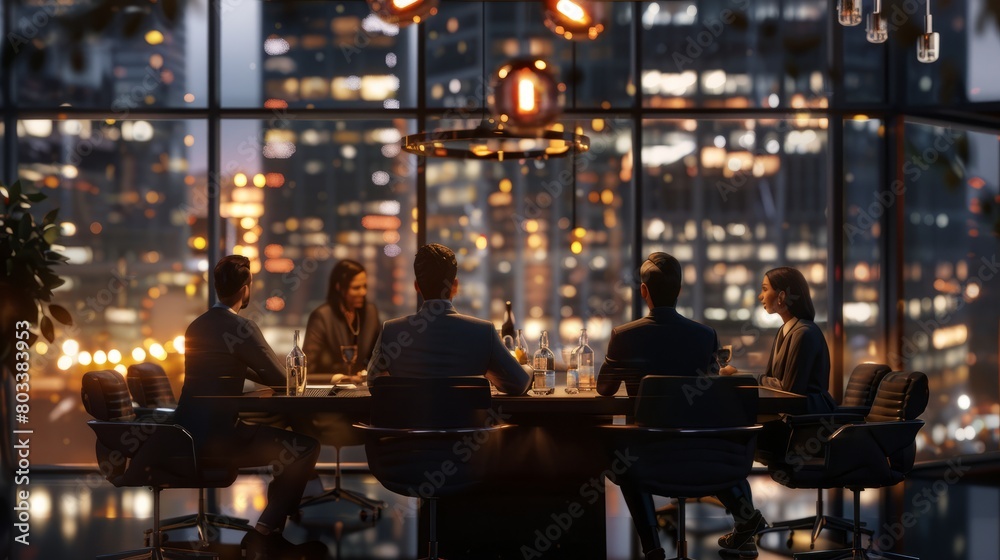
(576, 20)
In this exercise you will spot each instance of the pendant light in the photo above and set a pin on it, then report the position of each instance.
(576, 20)
(877, 29)
(928, 42)
(403, 12)
(527, 107)
(849, 12)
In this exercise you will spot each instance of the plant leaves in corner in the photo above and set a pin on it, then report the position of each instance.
(60, 314)
(48, 331)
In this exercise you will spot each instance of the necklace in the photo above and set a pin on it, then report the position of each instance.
(351, 323)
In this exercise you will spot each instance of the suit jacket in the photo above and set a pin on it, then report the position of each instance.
(802, 365)
(661, 343)
(437, 341)
(222, 349)
(326, 332)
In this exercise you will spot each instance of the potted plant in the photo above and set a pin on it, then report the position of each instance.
(27, 279)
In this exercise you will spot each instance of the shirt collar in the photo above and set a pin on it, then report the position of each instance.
(221, 305)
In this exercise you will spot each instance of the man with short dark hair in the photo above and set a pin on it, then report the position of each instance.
(661, 343)
(437, 341)
(222, 349)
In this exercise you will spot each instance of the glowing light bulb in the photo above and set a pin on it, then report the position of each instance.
(849, 12)
(572, 10)
(929, 42)
(877, 29)
(526, 96)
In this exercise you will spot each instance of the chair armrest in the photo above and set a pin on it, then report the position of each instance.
(859, 410)
(831, 419)
(155, 415)
(128, 438)
(859, 446)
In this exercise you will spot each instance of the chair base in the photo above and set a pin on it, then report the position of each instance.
(336, 494)
(816, 523)
(851, 554)
(207, 524)
(150, 553)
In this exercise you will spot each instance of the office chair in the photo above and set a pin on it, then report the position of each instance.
(132, 453)
(858, 397)
(415, 426)
(875, 453)
(150, 389)
(691, 439)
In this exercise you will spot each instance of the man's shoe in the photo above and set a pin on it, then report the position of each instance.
(258, 546)
(740, 542)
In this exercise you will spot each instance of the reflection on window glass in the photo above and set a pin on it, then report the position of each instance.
(93, 54)
(734, 53)
(511, 226)
(516, 29)
(315, 54)
(863, 234)
(309, 194)
(951, 275)
(731, 200)
(128, 195)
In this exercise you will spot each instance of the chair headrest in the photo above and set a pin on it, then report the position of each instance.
(436, 402)
(902, 395)
(863, 384)
(106, 397)
(696, 401)
(150, 386)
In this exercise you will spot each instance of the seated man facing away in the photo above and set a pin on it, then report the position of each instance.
(221, 350)
(661, 343)
(437, 341)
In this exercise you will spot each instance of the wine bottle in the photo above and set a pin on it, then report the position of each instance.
(585, 363)
(507, 329)
(295, 369)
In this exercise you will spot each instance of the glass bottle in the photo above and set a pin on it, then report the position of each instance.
(521, 348)
(295, 369)
(572, 373)
(507, 329)
(585, 363)
(544, 364)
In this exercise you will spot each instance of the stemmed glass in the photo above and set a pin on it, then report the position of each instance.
(724, 355)
(350, 354)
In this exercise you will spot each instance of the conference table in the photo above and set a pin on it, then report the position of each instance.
(543, 496)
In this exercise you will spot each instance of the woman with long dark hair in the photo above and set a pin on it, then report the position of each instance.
(345, 319)
(799, 362)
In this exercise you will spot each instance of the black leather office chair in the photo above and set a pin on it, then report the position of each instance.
(692, 437)
(415, 425)
(874, 453)
(151, 391)
(132, 453)
(858, 398)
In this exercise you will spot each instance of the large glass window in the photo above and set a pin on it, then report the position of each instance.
(731, 200)
(951, 276)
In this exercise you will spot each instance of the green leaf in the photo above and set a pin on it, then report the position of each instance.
(36, 196)
(50, 218)
(15, 191)
(60, 314)
(48, 331)
(51, 234)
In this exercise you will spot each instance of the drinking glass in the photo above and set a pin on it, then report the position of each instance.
(350, 354)
(724, 355)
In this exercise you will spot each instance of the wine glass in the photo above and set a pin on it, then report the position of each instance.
(724, 355)
(349, 353)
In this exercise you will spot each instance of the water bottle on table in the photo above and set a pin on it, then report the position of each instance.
(585, 363)
(295, 370)
(544, 363)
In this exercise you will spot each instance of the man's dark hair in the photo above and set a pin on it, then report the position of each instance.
(661, 273)
(793, 283)
(435, 268)
(231, 274)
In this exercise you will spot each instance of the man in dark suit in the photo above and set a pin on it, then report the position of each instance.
(661, 343)
(437, 341)
(222, 349)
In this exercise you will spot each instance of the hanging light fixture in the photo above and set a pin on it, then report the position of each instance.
(526, 102)
(525, 94)
(928, 41)
(575, 20)
(403, 12)
(877, 29)
(849, 12)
